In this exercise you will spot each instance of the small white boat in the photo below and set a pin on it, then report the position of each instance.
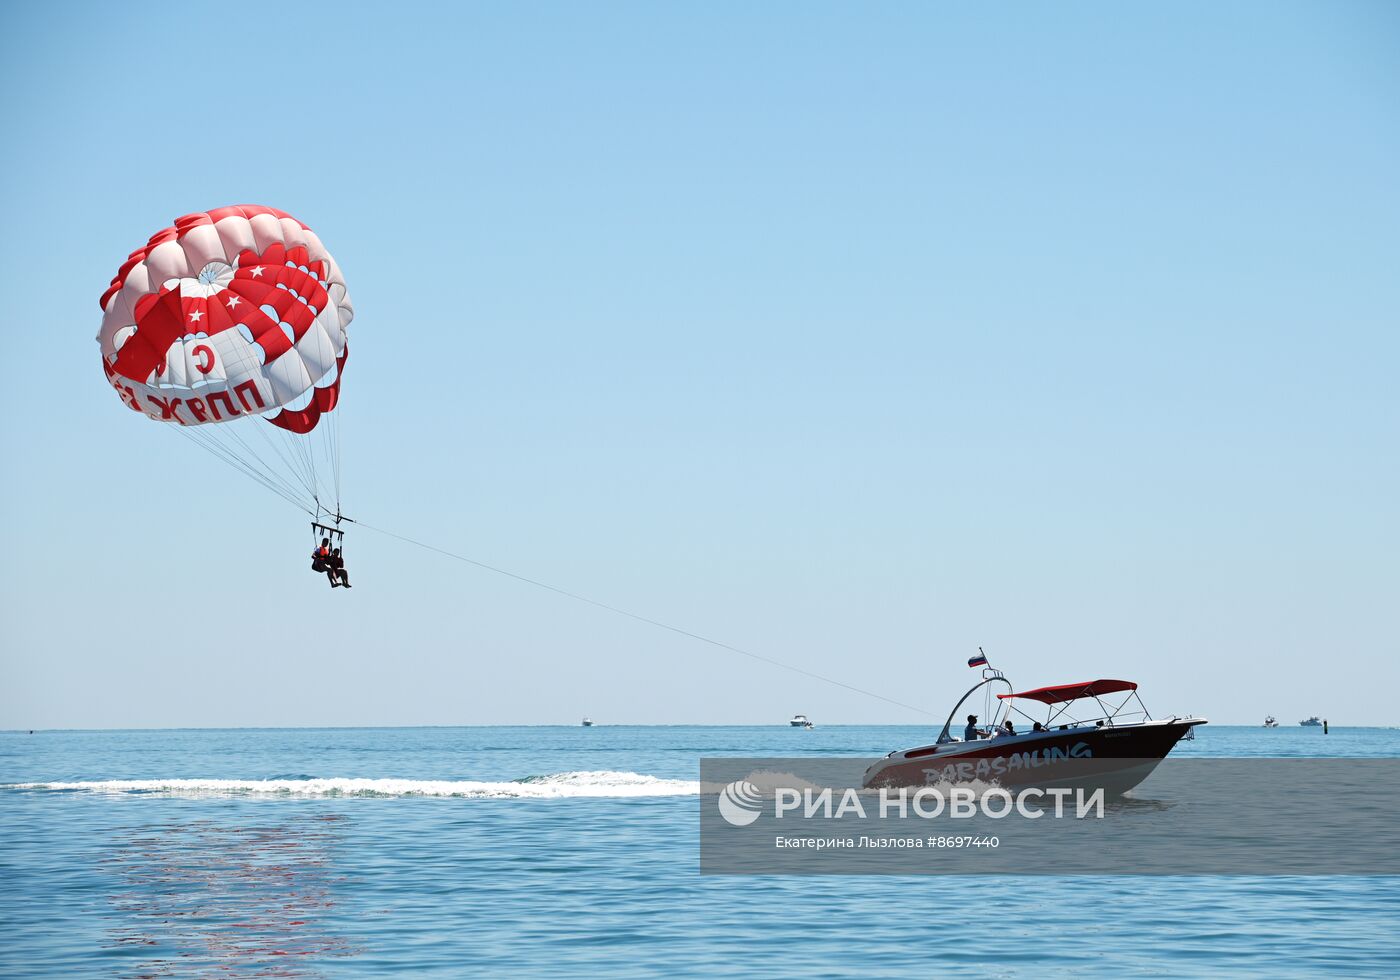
(800, 721)
(587, 722)
(1270, 721)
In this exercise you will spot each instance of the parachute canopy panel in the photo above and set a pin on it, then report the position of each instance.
(232, 312)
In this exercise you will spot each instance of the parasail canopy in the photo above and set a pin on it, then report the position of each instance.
(236, 315)
(1073, 692)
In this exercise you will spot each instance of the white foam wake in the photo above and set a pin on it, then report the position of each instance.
(564, 785)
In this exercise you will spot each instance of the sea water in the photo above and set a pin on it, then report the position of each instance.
(563, 851)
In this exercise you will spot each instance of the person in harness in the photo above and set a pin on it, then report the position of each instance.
(337, 572)
(320, 558)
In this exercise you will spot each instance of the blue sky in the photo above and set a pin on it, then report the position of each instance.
(854, 336)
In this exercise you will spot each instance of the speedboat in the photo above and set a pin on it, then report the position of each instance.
(800, 721)
(1115, 745)
(588, 723)
(1270, 721)
(1313, 722)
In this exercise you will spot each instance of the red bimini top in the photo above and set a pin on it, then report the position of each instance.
(1073, 692)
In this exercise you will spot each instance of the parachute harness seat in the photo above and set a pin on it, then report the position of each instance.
(334, 534)
(321, 532)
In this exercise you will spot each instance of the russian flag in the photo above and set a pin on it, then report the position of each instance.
(978, 661)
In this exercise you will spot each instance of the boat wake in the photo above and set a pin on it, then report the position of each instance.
(598, 784)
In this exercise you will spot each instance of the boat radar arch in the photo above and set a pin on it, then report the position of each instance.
(990, 675)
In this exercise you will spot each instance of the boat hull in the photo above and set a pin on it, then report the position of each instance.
(1114, 758)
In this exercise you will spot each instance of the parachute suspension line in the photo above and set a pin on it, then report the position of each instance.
(329, 438)
(301, 448)
(222, 453)
(331, 421)
(335, 453)
(232, 433)
(287, 460)
(308, 465)
(297, 444)
(225, 453)
(640, 618)
(252, 454)
(319, 461)
(325, 352)
(245, 464)
(326, 454)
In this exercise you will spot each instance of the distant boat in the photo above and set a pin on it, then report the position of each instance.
(1270, 721)
(800, 721)
(587, 722)
(1313, 722)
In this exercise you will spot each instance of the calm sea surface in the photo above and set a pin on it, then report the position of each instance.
(565, 851)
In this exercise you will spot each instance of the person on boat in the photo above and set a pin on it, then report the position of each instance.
(336, 570)
(1006, 729)
(1037, 727)
(320, 558)
(971, 733)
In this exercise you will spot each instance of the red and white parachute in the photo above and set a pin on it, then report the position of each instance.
(228, 318)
